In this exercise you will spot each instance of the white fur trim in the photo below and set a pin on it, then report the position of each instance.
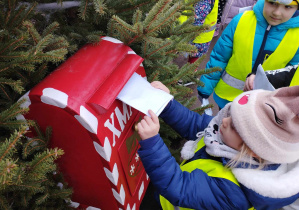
(188, 149)
(280, 183)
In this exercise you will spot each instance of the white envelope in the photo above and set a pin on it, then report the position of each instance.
(139, 94)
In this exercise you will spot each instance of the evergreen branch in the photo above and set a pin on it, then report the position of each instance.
(32, 186)
(58, 44)
(10, 145)
(155, 76)
(51, 28)
(50, 57)
(21, 76)
(16, 85)
(12, 113)
(127, 26)
(157, 14)
(25, 203)
(145, 45)
(7, 171)
(165, 20)
(42, 199)
(4, 69)
(165, 69)
(23, 65)
(171, 52)
(165, 45)
(11, 44)
(5, 93)
(26, 15)
(83, 9)
(3, 203)
(32, 31)
(16, 16)
(13, 56)
(9, 11)
(99, 7)
(123, 32)
(137, 16)
(56, 153)
(133, 8)
(28, 146)
(60, 192)
(14, 123)
(40, 72)
(133, 39)
(149, 40)
(43, 43)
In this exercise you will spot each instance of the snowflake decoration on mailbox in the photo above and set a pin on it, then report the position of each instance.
(95, 130)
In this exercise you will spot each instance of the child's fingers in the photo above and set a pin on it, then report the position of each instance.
(160, 85)
(147, 120)
(144, 122)
(154, 117)
(156, 83)
(139, 127)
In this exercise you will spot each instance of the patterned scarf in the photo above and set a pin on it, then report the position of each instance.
(212, 138)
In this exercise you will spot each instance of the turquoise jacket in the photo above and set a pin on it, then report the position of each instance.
(222, 51)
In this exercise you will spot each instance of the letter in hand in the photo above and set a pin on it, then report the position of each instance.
(148, 126)
(160, 85)
(249, 82)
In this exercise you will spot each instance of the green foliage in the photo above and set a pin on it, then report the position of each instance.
(37, 37)
(28, 173)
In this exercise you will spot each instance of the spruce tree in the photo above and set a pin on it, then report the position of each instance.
(28, 174)
(37, 37)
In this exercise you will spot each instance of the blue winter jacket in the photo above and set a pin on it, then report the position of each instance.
(195, 190)
(222, 51)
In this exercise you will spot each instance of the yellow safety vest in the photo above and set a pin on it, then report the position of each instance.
(295, 79)
(240, 63)
(211, 167)
(211, 20)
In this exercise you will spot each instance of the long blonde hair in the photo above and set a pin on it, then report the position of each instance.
(245, 151)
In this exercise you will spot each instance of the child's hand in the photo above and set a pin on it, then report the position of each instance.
(249, 83)
(160, 85)
(149, 126)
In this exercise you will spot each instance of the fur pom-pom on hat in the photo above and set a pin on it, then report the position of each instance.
(285, 2)
(268, 123)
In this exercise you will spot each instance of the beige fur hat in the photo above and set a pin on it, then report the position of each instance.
(286, 2)
(268, 123)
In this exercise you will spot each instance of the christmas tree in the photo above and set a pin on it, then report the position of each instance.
(36, 38)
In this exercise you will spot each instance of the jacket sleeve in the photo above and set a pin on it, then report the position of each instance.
(185, 122)
(194, 190)
(219, 57)
(281, 77)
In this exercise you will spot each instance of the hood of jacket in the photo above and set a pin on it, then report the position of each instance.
(293, 22)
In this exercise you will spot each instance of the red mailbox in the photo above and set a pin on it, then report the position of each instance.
(95, 130)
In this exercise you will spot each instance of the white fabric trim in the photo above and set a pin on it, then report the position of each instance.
(280, 183)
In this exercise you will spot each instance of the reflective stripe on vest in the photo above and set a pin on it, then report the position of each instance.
(240, 63)
(295, 79)
(211, 167)
(211, 20)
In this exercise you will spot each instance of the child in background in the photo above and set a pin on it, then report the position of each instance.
(232, 8)
(248, 155)
(221, 5)
(268, 35)
(205, 12)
